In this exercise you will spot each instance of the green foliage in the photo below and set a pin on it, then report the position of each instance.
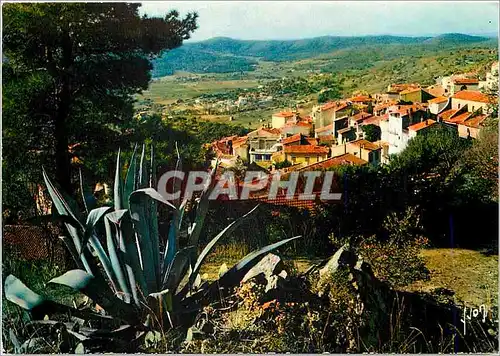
(138, 282)
(219, 55)
(372, 132)
(328, 95)
(397, 259)
(282, 164)
(51, 101)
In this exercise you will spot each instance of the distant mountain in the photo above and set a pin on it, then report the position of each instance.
(455, 39)
(223, 54)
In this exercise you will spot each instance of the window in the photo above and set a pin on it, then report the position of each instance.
(459, 106)
(258, 157)
(472, 107)
(294, 159)
(307, 160)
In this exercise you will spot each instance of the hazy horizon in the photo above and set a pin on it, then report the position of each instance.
(261, 20)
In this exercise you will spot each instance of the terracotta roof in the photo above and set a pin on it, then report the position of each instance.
(397, 88)
(266, 131)
(334, 105)
(365, 144)
(471, 95)
(325, 128)
(361, 116)
(312, 141)
(326, 138)
(291, 139)
(373, 120)
(345, 159)
(410, 90)
(306, 149)
(460, 81)
(360, 99)
(459, 119)
(439, 99)
(476, 121)
(435, 90)
(445, 115)
(284, 114)
(421, 125)
(344, 130)
(240, 141)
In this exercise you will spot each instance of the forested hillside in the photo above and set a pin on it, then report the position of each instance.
(225, 55)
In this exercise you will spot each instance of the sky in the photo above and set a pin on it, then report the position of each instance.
(263, 20)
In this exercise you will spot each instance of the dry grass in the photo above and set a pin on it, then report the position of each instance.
(471, 275)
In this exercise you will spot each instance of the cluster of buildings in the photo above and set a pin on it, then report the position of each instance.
(336, 133)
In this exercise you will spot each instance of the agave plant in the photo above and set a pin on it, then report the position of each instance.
(125, 271)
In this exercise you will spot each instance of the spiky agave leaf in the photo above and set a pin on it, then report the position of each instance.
(99, 292)
(203, 255)
(130, 182)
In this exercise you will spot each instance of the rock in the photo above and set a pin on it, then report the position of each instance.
(343, 257)
(268, 266)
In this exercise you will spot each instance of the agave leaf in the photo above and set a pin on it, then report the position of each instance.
(129, 248)
(130, 180)
(143, 178)
(136, 196)
(128, 252)
(17, 292)
(88, 198)
(99, 292)
(116, 264)
(93, 218)
(152, 169)
(223, 269)
(105, 261)
(118, 190)
(229, 229)
(177, 269)
(202, 209)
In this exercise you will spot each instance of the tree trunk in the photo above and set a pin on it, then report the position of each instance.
(63, 167)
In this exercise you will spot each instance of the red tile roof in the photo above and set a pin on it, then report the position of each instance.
(421, 125)
(397, 88)
(459, 119)
(365, 144)
(334, 105)
(471, 95)
(410, 90)
(435, 90)
(439, 99)
(284, 114)
(326, 138)
(445, 115)
(291, 139)
(306, 149)
(325, 128)
(476, 121)
(360, 99)
(374, 120)
(361, 116)
(462, 81)
(345, 159)
(312, 141)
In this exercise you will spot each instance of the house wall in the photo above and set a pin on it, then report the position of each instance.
(435, 108)
(293, 130)
(306, 158)
(242, 151)
(471, 105)
(368, 155)
(466, 131)
(277, 122)
(458, 87)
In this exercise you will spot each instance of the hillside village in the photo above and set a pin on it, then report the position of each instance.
(364, 129)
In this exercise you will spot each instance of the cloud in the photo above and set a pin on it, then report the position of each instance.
(302, 19)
